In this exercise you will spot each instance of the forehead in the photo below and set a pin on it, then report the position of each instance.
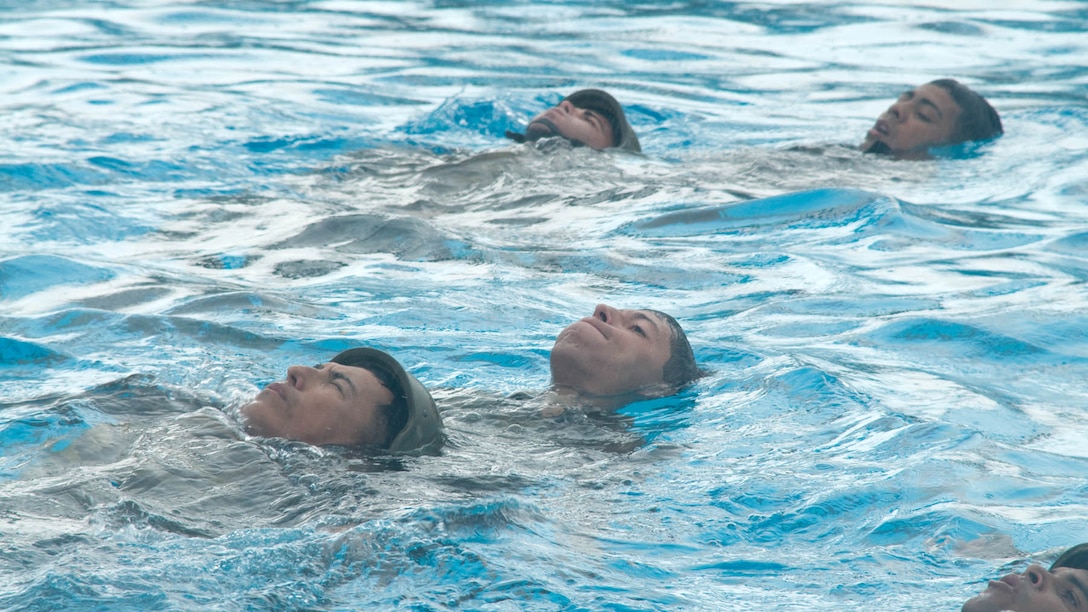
(351, 371)
(603, 112)
(939, 97)
(655, 320)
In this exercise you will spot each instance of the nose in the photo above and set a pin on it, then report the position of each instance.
(1037, 575)
(297, 375)
(896, 111)
(606, 313)
(566, 106)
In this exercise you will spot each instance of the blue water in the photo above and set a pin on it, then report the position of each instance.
(195, 196)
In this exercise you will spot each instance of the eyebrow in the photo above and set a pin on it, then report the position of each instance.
(337, 375)
(928, 102)
(639, 315)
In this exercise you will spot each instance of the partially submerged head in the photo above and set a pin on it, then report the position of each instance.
(360, 398)
(589, 117)
(939, 113)
(1062, 588)
(623, 352)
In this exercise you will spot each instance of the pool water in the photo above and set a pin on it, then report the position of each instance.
(197, 195)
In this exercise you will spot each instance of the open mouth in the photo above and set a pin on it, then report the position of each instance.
(879, 131)
(879, 147)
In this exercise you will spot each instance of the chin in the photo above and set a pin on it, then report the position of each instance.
(538, 130)
(254, 417)
(568, 369)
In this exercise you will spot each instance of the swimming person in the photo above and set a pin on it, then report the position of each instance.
(941, 112)
(1062, 588)
(589, 117)
(617, 356)
(362, 398)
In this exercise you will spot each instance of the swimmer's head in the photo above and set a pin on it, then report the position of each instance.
(361, 398)
(939, 113)
(1062, 588)
(590, 117)
(623, 352)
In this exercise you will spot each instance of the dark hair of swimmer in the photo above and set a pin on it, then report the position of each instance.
(588, 117)
(681, 368)
(977, 120)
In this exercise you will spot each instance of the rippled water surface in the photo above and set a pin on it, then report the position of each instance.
(195, 195)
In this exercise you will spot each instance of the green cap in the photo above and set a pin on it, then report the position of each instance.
(422, 431)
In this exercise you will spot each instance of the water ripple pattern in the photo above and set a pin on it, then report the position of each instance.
(195, 195)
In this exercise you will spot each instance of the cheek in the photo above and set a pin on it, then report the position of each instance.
(585, 132)
(660, 355)
(366, 424)
(641, 362)
(327, 407)
(946, 132)
(599, 139)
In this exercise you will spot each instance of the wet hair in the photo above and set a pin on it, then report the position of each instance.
(977, 120)
(680, 369)
(1074, 558)
(395, 413)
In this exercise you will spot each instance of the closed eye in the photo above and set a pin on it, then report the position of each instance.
(638, 330)
(335, 379)
(1071, 597)
(595, 119)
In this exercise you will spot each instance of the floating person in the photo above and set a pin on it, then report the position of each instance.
(589, 117)
(617, 356)
(362, 398)
(939, 113)
(1062, 588)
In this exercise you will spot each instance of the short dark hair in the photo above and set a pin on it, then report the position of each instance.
(1074, 558)
(681, 368)
(978, 120)
(395, 413)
